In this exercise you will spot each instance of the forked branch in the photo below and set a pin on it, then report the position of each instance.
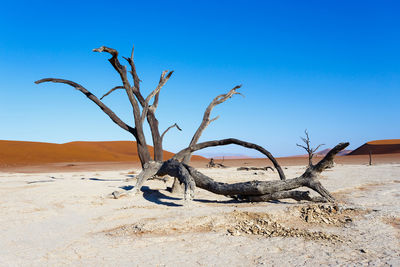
(163, 80)
(206, 117)
(169, 128)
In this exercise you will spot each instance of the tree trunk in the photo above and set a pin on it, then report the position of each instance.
(310, 156)
(143, 152)
(155, 134)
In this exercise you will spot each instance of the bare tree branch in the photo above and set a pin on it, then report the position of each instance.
(316, 149)
(206, 117)
(112, 90)
(151, 118)
(92, 97)
(214, 119)
(310, 151)
(161, 83)
(302, 146)
(183, 153)
(142, 146)
(169, 128)
(122, 73)
(156, 92)
(327, 161)
(155, 102)
(135, 77)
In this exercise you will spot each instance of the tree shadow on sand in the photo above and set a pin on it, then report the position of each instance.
(157, 197)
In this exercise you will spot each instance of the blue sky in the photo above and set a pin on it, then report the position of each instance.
(332, 67)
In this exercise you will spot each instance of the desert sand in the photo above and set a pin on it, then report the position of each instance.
(53, 217)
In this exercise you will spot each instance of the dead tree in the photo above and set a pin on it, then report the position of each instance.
(213, 164)
(369, 155)
(310, 151)
(144, 109)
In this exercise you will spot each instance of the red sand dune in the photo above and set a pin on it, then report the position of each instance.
(19, 153)
(18, 156)
(388, 146)
(385, 142)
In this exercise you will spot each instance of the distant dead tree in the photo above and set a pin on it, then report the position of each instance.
(213, 164)
(144, 109)
(307, 146)
(369, 154)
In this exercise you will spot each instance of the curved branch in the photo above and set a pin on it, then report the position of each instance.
(169, 128)
(206, 117)
(183, 153)
(92, 97)
(112, 90)
(327, 161)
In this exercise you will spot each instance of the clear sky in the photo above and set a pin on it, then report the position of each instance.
(332, 67)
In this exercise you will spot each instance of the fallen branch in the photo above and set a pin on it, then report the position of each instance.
(251, 190)
(255, 168)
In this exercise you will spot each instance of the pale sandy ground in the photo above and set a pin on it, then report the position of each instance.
(53, 219)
